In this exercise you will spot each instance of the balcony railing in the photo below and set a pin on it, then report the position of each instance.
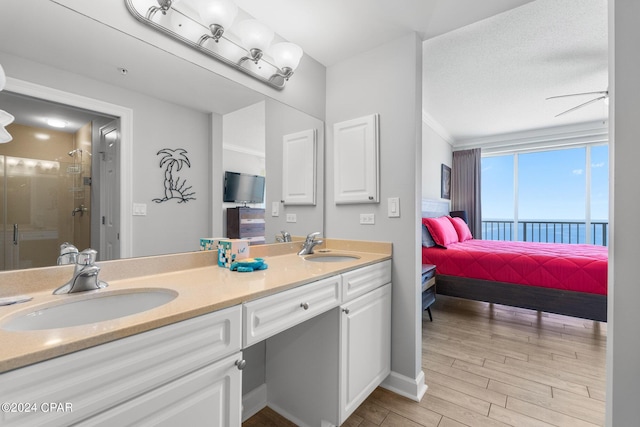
(547, 231)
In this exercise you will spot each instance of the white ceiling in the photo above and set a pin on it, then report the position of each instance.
(332, 30)
(492, 77)
(488, 65)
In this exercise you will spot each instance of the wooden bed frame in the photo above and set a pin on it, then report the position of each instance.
(568, 303)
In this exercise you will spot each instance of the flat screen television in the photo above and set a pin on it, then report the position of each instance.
(243, 188)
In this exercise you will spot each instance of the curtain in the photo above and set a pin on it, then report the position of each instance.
(465, 187)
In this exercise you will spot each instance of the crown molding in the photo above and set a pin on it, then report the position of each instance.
(243, 150)
(559, 136)
(437, 128)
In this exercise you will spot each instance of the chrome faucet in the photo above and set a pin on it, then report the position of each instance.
(68, 254)
(309, 243)
(85, 275)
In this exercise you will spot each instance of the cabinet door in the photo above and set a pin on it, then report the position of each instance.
(365, 347)
(210, 396)
(299, 168)
(356, 160)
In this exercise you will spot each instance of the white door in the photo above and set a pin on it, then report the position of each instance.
(109, 188)
(365, 347)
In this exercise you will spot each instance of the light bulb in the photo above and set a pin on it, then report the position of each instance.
(5, 120)
(286, 55)
(57, 123)
(255, 35)
(217, 12)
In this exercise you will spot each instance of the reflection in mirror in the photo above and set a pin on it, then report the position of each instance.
(46, 182)
(162, 111)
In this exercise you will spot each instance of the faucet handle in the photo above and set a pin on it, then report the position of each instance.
(313, 235)
(87, 257)
(68, 248)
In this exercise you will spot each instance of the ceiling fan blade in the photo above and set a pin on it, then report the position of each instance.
(584, 104)
(602, 92)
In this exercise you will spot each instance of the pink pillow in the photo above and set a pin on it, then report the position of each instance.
(461, 228)
(441, 230)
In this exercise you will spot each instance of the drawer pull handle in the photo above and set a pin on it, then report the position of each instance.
(345, 310)
(305, 305)
(241, 364)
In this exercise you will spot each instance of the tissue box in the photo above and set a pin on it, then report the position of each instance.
(230, 250)
(210, 243)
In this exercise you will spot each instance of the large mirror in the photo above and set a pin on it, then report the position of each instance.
(176, 121)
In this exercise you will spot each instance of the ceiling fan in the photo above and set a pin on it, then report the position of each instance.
(600, 95)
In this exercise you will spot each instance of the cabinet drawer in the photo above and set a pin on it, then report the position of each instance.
(359, 282)
(268, 316)
(109, 374)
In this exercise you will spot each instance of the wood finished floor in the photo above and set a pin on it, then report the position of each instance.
(493, 365)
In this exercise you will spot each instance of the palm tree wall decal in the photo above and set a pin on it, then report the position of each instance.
(174, 188)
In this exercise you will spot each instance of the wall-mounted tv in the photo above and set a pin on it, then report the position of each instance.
(243, 188)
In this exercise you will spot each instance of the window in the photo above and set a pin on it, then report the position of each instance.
(556, 196)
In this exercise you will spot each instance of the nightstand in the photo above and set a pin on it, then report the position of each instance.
(428, 287)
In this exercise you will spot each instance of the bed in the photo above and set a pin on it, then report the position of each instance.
(568, 279)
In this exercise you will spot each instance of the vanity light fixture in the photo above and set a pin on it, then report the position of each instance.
(5, 118)
(210, 26)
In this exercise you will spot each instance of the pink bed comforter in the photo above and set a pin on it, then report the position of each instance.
(562, 266)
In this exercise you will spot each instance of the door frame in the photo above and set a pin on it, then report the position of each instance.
(126, 144)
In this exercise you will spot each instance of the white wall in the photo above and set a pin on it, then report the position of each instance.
(244, 146)
(623, 336)
(283, 120)
(435, 151)
(387, 80)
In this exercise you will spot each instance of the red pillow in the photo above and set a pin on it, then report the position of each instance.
(441, 230)
(461, 228)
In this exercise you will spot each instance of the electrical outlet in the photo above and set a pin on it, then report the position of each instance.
(367, 219)
(139, 209)
(291, 218)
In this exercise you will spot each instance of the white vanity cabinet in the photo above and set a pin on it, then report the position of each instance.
(319, 371)
(187, 369)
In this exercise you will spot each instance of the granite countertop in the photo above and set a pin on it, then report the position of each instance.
(201, 289)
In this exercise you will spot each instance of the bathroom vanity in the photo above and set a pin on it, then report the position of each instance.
(325, 327)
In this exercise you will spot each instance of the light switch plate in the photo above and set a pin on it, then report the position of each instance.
(275, 208)
(367, 219)
(393, 207)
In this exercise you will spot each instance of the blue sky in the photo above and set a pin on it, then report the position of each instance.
(551, 185)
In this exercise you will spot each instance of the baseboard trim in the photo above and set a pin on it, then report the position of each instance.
(254, 401)
(412, 388)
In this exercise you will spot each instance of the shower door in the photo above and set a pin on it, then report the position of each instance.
(34, 219)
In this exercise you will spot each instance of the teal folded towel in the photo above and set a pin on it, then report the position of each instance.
(249, 264)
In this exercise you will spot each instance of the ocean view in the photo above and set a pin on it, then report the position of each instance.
(561, 231)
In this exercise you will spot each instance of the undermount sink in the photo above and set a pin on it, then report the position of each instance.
(96, 308)
(330, 257)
